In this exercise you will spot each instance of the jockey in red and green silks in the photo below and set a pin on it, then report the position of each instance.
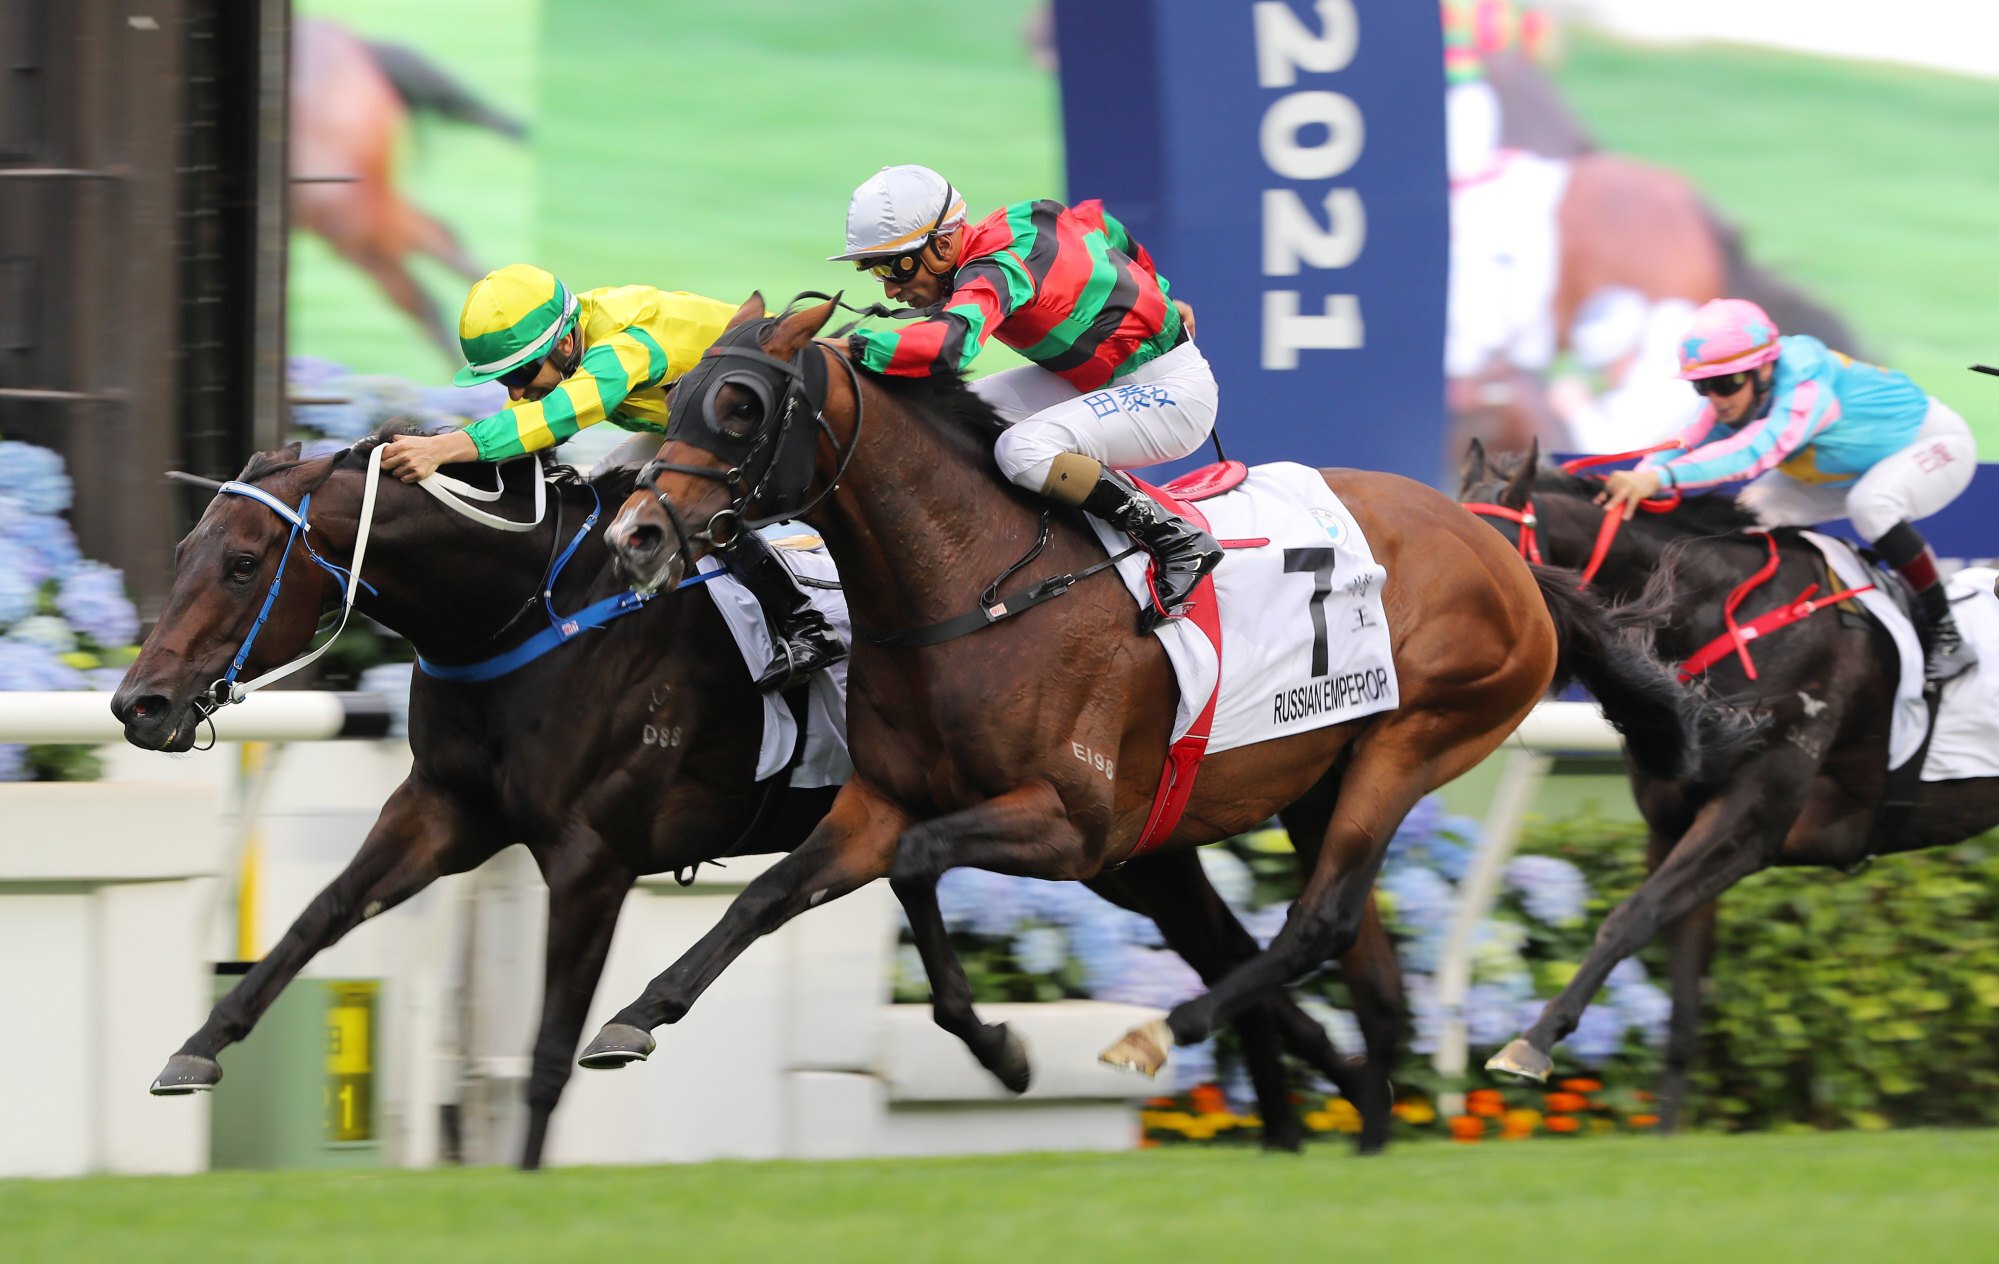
(1818, 435)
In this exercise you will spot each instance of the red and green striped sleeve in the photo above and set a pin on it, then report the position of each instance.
(629, 360)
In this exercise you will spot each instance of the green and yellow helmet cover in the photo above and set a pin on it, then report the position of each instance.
(512, 316)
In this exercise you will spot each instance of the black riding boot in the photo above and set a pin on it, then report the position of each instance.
(1946, 654)
(805, 641)
(1181, 552)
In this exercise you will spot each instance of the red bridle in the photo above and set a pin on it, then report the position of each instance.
(1613, 517)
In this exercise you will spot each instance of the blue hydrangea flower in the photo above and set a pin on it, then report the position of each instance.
(31, 668)
(1100, 948)
(92, 597)
(312, 374)
(1159, 979)
(1041, 950)
(392, 682)
(17, 589)
(34, 476)
(1598, 1036)
(47, 631)
(105, 679)
(1419, 900)
(49, 544)
(1644, 1007)
(1553, 890)
(13, 510)
(1266, 922)
(14, 763)
(1229, 876)
(1192, 1066)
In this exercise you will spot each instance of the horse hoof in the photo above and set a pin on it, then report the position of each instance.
(1143, 1049)
(1012, 1068)
(1523, 1060)
(186, 1073)
(616, 1045)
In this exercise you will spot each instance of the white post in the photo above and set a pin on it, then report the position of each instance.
(1519, 782)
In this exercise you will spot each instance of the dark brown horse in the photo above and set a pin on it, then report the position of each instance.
(633, 755)
(967, 751)
(349, 101)
(1810, 794)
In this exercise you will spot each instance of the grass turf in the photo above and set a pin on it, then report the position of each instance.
(1718, 1200)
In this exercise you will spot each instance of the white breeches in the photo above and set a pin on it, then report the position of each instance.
(1910, 484)
(1161, 411)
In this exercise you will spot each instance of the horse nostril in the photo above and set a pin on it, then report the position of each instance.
(146, 706)
(644, 538)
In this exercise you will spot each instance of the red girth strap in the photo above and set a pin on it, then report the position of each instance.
(1736, 640)
(1183, 762)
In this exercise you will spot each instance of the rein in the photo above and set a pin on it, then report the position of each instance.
(1613, 517)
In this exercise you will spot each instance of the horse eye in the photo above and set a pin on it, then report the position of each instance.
(243, 567)
(742, 409)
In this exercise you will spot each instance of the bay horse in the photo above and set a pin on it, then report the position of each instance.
(973, 751)
(349, 99)
(556, 754)
(1810, 794)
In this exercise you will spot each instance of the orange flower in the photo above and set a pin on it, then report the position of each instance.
(1644, 1096)
(1485, 1102)
(1565, 1102)
(1207, 1099)
(1517, 1125)
(1583, 1086)
(1467, 1128)
(1562, 1123)
(1643, 1121)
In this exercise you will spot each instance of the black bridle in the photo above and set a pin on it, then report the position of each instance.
(772, 465)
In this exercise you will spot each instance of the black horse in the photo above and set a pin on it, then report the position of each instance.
(635, 754)
(1810, 793)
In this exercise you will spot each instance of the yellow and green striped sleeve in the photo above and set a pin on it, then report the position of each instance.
(629, 360)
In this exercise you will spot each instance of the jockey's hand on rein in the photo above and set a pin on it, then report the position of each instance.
(413, 458)
(1626, 488)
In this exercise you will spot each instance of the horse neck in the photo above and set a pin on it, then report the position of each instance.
(442, 581)
(919, 521)
(1704, 574)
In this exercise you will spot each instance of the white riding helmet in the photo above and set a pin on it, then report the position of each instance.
(896, 209)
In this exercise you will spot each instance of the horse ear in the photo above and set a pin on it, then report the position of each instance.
(752, 309)
(293, 450)
(795, 330)
(1521, 484)
(1472, 472)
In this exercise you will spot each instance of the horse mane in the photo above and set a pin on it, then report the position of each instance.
(944, 396)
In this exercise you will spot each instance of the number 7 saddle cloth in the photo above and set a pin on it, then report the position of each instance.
(1303, 640)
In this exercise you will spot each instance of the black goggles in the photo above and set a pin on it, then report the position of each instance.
(1723, 384)
(522, 376)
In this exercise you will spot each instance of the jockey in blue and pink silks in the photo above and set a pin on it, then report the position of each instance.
(1822, 435)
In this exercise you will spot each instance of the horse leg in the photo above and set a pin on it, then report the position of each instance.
(586, 892)
(996, 1046)
(1373, 977)
(435, 238)
(1732, 836)
(1172, 890)
(850, 848)
(1690, 947)
(420, 836)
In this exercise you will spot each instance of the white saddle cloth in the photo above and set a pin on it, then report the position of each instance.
(1304, 638)
(826, 761)
(1967, 737)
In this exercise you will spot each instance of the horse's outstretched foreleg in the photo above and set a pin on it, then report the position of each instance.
(852, 847)
(420, 835)
(1732, 836)
(586, 892)
(1690, 946)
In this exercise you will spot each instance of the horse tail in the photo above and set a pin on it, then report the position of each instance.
(1661, 721)
(426, 86)
(1795, 311)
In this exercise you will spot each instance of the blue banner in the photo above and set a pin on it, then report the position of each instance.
(1283, 160)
